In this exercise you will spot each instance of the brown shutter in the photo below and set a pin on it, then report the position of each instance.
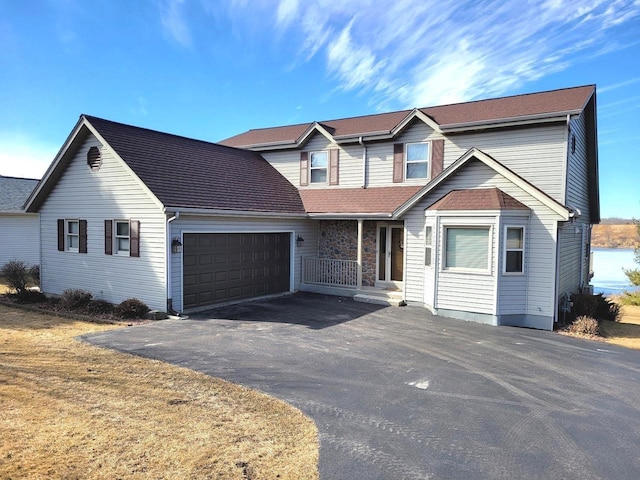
(82, 240)
(134, 238)
(398, 162)
(304, 168)
(334, 160)
(61, 235)
(108, 237)
(437, 157)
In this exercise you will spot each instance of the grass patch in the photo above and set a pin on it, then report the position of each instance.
(72, 410)
(625, 332)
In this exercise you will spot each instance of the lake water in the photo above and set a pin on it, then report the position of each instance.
(607, 267)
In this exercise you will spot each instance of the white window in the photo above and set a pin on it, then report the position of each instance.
(417, 160)
(122, 237)
(428, 245)
(72, 235)
(514, 250)
(467, 248)
(318, 170)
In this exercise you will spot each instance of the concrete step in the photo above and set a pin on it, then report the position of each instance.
(391, 299)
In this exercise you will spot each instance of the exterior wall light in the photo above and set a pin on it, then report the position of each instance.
(176, 245)
(299, 241)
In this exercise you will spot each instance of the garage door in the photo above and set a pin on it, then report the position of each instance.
(223, 267)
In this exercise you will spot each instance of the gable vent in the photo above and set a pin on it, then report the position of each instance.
(94, 159)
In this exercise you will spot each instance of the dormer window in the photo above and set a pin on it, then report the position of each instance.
(417, 161)
(94, 158)
(318, 170)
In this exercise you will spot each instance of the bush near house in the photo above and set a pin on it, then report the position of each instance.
(16, 274)
(594, 306)
(584, 325)
(131, 308)
(75, 299)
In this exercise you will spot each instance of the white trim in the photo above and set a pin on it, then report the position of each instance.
(116, 248)
(505, 250)
(503, 122)
(204, 212)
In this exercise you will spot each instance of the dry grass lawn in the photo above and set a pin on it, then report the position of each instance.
(74, 411)
(626, 332)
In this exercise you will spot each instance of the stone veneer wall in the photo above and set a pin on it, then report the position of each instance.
(338, 239)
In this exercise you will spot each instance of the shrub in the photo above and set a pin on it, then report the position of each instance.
(30, 296)
(16, 275)
(99, 307)
(131, 308)
(630, 298)
(34, 275)
(75, 299)
(584, 325)
(595, 306)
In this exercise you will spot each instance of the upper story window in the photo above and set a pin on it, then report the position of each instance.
(318, 168)
(417, 160)
(514, 250)
(122, 237)
(72, 235)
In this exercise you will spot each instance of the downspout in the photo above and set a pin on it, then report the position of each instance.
(364, 162)
(168, 259)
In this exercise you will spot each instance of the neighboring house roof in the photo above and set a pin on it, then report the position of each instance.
(375, 201)
(192, 174)
(555, 103)
(14, 193)
(478, 199)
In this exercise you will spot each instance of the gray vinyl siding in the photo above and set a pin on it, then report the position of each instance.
(534, 153)
(19, 238)
(513, 288)
(307, 229)
(110, 193)
(541, 235)
(578, 173)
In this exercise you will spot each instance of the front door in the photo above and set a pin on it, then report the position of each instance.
(390, 255)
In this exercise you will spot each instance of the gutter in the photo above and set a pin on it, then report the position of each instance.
(500, 122)
(234, 213)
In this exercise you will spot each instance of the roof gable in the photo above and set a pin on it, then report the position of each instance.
(476, 154)
(183, 173)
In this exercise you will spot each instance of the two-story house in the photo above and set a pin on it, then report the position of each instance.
(479, 210)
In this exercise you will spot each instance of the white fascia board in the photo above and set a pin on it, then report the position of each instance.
(315, 126)
(478, 213)
(138, 180)
(349, 216)
(415, 113)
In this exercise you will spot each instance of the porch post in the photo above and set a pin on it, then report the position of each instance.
(360, 223)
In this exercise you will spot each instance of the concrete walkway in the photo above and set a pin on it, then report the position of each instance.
(397, 393)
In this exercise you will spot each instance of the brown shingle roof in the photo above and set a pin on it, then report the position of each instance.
(356, 200)
(480, 111)
(478, 199)
(188, 173)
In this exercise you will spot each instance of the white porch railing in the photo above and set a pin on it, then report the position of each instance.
(326, 271)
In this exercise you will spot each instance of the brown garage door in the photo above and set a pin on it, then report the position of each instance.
(223, 267)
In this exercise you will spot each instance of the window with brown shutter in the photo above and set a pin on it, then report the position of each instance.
(134, 232)
(334, 160)
(304, 168)
(398, 162)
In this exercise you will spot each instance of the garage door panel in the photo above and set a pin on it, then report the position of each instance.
(226, 267)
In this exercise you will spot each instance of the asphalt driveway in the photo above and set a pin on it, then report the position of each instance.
(397, 393)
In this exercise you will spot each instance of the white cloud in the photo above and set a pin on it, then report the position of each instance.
(423, 52)
(23, 156)
(174, 22)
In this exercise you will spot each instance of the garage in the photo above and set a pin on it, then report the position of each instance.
(225, 267)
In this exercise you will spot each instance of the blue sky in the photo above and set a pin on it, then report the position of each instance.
(210, 69)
